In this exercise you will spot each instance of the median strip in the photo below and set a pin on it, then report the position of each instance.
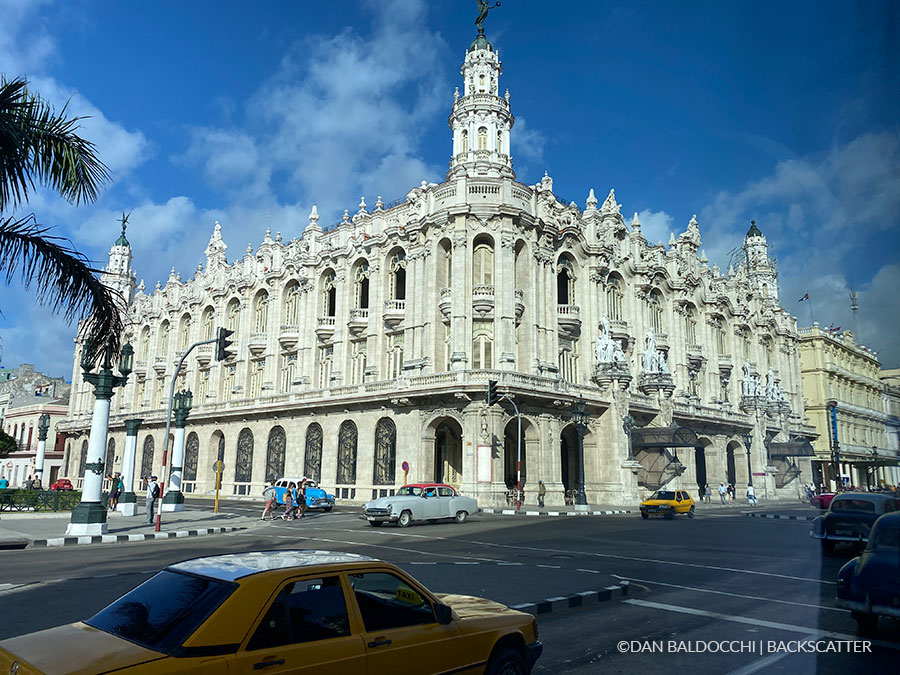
(778, 516)
(513, 512)
(127, 538)
(563, 602)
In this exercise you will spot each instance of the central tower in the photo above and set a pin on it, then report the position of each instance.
(481, 119)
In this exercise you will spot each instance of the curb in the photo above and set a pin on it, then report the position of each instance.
(778, 516)
(513, 512)
(564, 602)
(128, 538)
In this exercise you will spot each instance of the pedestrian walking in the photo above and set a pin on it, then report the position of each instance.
(722, 492)
(3, 483)
(707, 494)
(301, 498)
(152, 496)
(542, 491)
(115, 486)
(269, 493)
(288, 503)
(751, 496)
(730, 493)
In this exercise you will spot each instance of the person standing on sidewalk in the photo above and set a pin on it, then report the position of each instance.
(722, 492)
(751, 496)
(707, 493)
(152, 496)
(269, 496)
(542, 491)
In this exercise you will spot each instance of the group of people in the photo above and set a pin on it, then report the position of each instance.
(28, 484)
(728, 493)
(294, 501)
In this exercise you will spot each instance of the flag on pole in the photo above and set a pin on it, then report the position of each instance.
(805, 297)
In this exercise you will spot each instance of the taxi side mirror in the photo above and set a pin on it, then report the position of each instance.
(443, 613)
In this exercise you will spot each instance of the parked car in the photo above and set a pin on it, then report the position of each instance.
(822, 501)
(291, 611)
(419, 501)
(869, 586)
(850, 517)
(667, 503)
(62, 484)
(316, 497)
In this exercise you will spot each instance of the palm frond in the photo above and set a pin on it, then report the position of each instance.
(38, 144)
(64, 281)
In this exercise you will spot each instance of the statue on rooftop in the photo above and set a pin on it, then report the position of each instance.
(484, 6)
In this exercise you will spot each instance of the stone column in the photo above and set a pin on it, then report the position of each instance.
(460, 298)
(174, 499)
(128, 500)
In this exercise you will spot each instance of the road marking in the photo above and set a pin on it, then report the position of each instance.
(733, 595)
(9, 589)
(775, 625)
(764, 662)
(591, 571)
(550, 567)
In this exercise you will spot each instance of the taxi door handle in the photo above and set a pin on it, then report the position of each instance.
(379, 643)
(268, 664)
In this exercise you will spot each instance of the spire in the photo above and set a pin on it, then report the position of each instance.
(122, 241)
(610, 206)
(118, 274)
(754, 230)
(215, 250)
(314, 220)
(635, 222)
(591, 203)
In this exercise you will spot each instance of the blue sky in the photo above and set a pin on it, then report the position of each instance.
(249, 113)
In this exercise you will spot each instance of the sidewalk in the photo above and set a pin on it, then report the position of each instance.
(31, 530)
(787, 510)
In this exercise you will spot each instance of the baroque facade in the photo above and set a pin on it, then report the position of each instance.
(371, 342)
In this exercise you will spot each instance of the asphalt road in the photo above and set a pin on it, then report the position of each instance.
(718, 582)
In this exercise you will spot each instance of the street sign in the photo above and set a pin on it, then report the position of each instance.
(405, 466)
(760, 474)
(218, 466)
(9, 465)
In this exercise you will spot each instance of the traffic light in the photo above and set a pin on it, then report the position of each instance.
(492, 396)
(223, 343)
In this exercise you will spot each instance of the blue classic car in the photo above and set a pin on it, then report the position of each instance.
(849, 518)
(869, 586)
(316, 497)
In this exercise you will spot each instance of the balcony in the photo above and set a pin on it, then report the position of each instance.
(662, 341)
(159, 364)
(359, 319)
(520, 305)
(257, 343)
(288, 336)
(569, 319)
(444, 304)
(204, 354)
(324, 327)
(140, 367)
(394, 312)
(695, 356)
(725, 364)
(483, 299)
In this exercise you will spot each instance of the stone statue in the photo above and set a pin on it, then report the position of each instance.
(654, 360)
(606, 349)
(484, 6)
(771, 386)
(747, 384)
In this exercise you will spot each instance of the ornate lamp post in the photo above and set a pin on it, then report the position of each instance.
(581, 419)
(631, 463)
(128, 500)
(89, 517)
(43, 428)
(174, 498)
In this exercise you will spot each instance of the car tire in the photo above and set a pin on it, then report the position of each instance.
(507, 662)
(827, 546)
(461, 516)
(404, 520)
(690, 513)
(645, 515)
(375, 523)
(865, 622)
(670, 514)
(327, 509)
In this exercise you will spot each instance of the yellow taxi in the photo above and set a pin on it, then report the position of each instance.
(668, 503)
(316, 612)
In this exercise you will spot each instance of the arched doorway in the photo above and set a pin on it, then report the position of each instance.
(730, 470)
(569, 458)
(700, 464)
(447, 451)
(510, 452)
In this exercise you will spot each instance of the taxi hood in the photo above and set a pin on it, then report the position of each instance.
(470, 607)
(76, 648)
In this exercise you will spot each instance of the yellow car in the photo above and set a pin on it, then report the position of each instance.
(668, 503)
(315, 612)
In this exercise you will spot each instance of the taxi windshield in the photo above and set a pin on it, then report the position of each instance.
(408, 491)
(663, 494)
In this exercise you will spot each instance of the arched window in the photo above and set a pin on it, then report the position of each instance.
(568, 360)
(464, 141)
(483, 263)
(292, 305)
(721, 335)
(184, 332)
(234, 314)
(191, 456)
(257, 373)
(288, 371)
(243, 461)
(397, 272)
(83, 460)
(209, 321)
(565, 282)
(482, 138)
(329, 295)
(312, 462)
(690, 325)
(655, 310)
(385, 452)
(482, 344)
(481, 82)
(346, 459)
(500, 142)
(261, 313)
(361, 284)
(395, 355)
(110, 457)
(163, 339)
(614, 295)
(275, 453)
(147, 458)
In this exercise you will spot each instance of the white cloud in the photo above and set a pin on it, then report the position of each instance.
(656, 226)
(527, 147)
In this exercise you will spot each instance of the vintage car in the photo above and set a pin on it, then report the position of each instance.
(668, 503)
(849, 518)
(312, 612)
(62, 484)
(822, 501)
(316, 497)
(869, 586)
(419, 501)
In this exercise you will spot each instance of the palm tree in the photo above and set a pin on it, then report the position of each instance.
(38, 145)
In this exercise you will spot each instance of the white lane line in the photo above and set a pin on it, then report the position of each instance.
(591, 571)
(765, 661)
(27, 586)
(760, 623)
(733, 595)
(550, 567)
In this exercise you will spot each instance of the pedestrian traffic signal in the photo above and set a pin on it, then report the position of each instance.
(492, 396)
(223, 343)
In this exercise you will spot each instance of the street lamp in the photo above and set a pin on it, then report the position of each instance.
(181, 408)
(748, 441)
(631, 463)
(43, 428)
(677, 466)
(581, 419)
(89, 517)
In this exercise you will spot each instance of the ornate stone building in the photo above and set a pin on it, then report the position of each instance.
(370, 343)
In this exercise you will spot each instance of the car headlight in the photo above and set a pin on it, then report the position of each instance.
(390, 507)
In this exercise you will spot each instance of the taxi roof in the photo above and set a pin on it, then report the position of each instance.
(426, 485)
(232, 566)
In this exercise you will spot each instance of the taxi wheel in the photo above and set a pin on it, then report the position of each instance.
(507, 662)
(691, 513)
(404, 520)
(375, 523)
(461, 517)
(865, 622)
(645, 515)
(670, 514)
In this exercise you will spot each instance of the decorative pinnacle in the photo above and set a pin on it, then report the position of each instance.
(314, 216)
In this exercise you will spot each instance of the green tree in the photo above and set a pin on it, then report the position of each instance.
(41, 146)
(7, 444)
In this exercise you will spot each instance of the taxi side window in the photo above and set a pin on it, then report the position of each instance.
(386, 601)
(304, 611)
(445, 492)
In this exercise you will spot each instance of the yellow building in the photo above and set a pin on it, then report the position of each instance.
(847, 403)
